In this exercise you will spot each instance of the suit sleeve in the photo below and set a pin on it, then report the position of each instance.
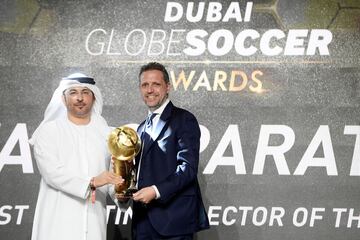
(187, 158)
(52, 168)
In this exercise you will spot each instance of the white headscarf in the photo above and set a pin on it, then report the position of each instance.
(57, 109)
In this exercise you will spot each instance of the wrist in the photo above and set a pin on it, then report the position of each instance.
(92, 190)
(92, 184)
(156, 190)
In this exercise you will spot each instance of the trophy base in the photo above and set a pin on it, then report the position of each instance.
(129, 192)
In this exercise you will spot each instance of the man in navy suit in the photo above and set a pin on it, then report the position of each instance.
(168, 204)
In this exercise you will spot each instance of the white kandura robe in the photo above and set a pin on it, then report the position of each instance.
(67, 156)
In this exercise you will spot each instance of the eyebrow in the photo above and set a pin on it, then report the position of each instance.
(73, 90)
(81, 90)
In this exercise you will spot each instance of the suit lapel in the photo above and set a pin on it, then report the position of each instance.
(140, 130)
(159, 126)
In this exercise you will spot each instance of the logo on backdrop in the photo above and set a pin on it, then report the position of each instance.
(198, 42)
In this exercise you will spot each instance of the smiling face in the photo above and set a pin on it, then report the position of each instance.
(153, 88)
(79, 102)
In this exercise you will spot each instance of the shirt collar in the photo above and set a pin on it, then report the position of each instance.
(160, 110)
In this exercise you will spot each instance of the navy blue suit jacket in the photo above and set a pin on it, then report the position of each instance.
(170, 162)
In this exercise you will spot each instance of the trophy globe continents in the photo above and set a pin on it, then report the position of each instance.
(124, 144)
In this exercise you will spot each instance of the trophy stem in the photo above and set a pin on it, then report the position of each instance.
(132, 188)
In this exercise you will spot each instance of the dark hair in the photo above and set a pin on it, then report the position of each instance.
(155, 66)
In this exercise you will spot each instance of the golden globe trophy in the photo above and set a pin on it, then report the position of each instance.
(124, 144)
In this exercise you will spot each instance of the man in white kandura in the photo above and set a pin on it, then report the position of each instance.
(71, 154)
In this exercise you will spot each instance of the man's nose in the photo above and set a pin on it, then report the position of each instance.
(149, 89)
(79, 97)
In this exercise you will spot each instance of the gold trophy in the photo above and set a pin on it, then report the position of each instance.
(124, 144)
